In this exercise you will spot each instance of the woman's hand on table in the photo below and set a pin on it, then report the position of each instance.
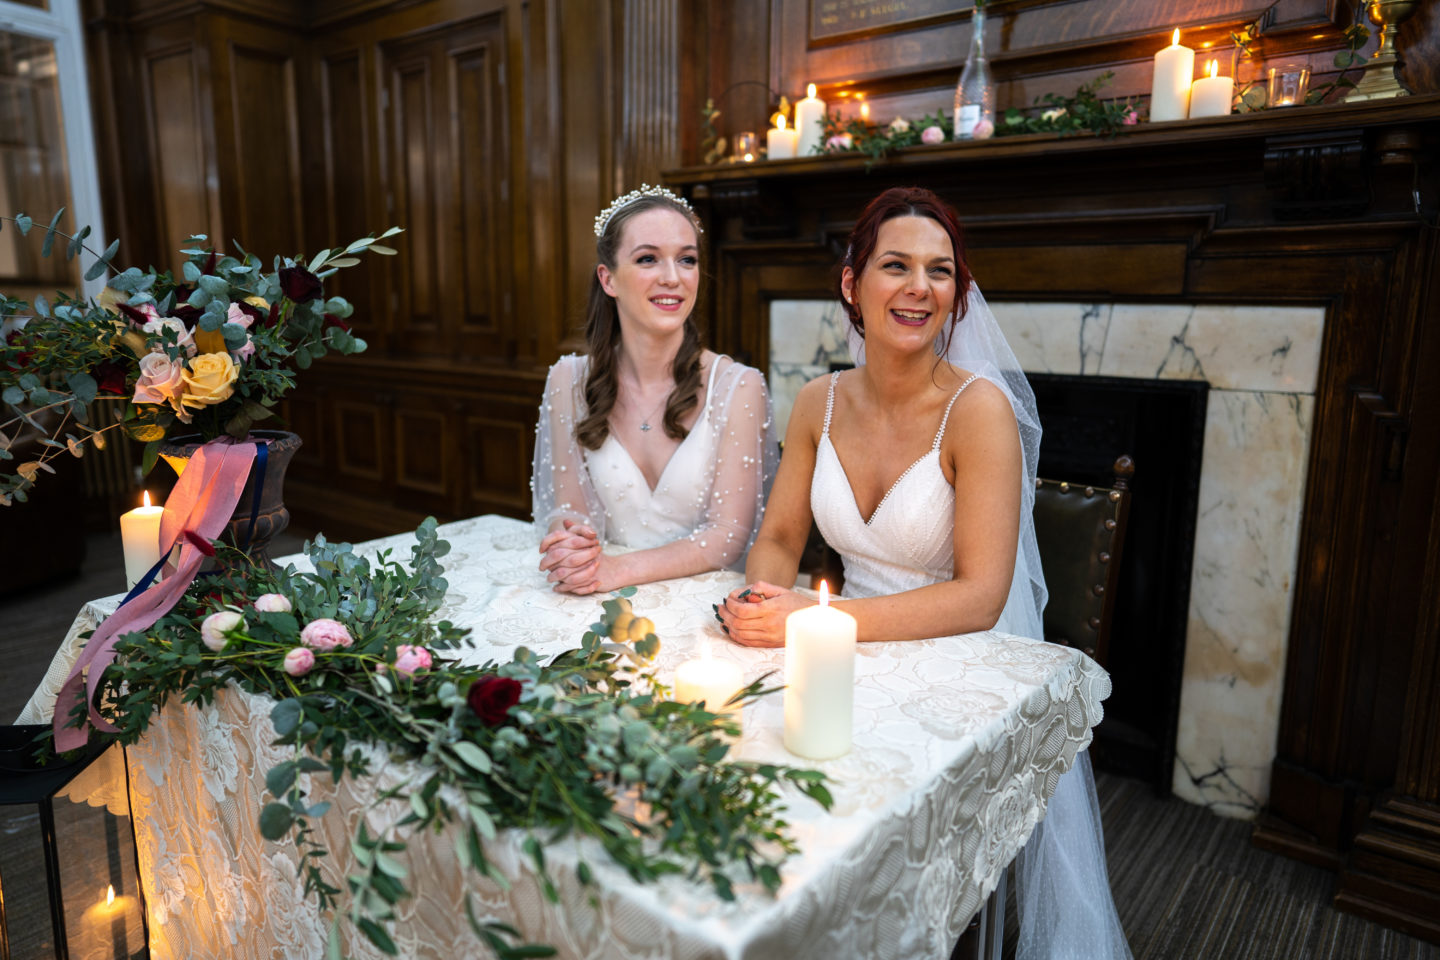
(571, 556)
(754, 616)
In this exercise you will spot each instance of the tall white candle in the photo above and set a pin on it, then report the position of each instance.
(780, 142)
(140, 538)
(713, 681)
(1170, 90)
(1210, 96)
(808, 114)
(819, 680)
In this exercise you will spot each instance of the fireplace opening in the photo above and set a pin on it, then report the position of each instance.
(1087, 423)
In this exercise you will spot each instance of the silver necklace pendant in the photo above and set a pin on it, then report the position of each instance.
(644, 426)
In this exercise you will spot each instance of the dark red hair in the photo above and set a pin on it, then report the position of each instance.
(904, 202)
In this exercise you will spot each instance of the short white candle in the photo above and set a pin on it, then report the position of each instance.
(808, 114)
(1170, 90)
(713, 681)
(140, 538)
(819, 680)
(780, 142)
(1210, 96)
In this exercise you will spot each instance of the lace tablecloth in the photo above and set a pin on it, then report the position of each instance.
(958, 743)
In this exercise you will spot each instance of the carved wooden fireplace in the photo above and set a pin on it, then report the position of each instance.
(1285, 260)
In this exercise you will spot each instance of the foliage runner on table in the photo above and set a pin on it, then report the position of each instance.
(352, 654)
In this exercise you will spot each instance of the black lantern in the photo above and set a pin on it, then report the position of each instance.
(69, 878)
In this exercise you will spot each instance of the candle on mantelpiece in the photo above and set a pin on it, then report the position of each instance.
(780, 142)
(1170, 89)
(864, 111)
(819, 680)
(1210, 96)
(712, 681)
(140, 539)
(809, 112)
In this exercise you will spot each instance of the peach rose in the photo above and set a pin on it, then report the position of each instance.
(210, 379)
(161, 379)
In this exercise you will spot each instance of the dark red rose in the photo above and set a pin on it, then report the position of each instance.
(209, 263)
(254, 313)
(183, 311)
(300, 284)
(333, 321)
(110, 377)
(491, 698)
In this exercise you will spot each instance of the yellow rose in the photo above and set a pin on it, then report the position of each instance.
(210, 379)
(109, 297)
(258, 302)
(209, 341)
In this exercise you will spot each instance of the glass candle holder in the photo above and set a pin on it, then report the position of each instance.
(1288, 84)
(747, 146)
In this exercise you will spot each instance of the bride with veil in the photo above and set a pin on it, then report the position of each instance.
(919, 469)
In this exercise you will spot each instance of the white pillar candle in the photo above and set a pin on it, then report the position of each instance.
(808, 114)
(1170, 89)
(713, 681)
(819, 680)
(140, 538)
(780, 142)
(1210, 96)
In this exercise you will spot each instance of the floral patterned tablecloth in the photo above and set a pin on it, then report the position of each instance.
(958, 743)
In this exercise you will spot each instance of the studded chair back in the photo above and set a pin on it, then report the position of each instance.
(1080, 530)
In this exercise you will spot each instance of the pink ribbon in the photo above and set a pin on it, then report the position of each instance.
(203, 501)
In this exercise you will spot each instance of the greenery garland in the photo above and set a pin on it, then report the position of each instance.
(351, 654)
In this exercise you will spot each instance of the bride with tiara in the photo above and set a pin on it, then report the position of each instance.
(649, 441)
(945, 545)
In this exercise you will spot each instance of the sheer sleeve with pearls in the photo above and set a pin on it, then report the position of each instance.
(746, 457)
(560, 484)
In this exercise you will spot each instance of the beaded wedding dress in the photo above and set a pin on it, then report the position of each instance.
(1063, 892)
(711, 492)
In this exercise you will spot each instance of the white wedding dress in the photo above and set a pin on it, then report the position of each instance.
(1066, 911)
(711, 492)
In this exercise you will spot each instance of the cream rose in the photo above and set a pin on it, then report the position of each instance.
(183, 337)
(210, 379)
(161, 379)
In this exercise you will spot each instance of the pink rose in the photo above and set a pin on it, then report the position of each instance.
(214, 627)
(1131, 117)
(932, 134)
(273, 603)
(841, 141)
(325, 634)
(160, 380)
(984, 130)
(246, 351)
(183, 337)
(299, 661)
(408, 659)
(236, 315)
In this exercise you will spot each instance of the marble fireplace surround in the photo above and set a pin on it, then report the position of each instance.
(1261, 363)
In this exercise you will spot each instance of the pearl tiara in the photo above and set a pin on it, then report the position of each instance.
(645, 191)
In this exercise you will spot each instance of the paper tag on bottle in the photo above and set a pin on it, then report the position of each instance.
(969, 116)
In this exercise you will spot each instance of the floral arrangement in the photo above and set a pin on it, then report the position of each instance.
(207, 353)
(351, 652)
(1052, 113)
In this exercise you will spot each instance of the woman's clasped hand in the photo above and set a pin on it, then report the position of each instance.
(754, 615)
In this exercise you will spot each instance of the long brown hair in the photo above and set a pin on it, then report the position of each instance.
(602, 336)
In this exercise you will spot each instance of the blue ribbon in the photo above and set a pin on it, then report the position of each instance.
(144, 582)
(262, 457)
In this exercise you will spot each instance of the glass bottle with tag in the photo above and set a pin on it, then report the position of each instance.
(975, 94)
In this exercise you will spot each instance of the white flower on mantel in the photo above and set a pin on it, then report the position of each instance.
(899, 125)
(1051, 115)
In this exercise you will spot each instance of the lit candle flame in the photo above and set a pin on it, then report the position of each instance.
(780, 122)
(1213, 68)
(810, 91)
(749, 158)
(1175, 39)
(865, 111)
(110, 895)
(824, 594)
(147, 498)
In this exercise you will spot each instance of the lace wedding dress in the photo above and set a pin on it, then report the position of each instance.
(1066, 912)
(711, 492)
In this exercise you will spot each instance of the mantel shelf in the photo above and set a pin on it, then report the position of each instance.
(1297, 121)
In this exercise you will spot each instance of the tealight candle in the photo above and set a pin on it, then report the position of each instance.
(713, 681)
(809, 112)
(140, 538)
(819, 680)
(1211, 96)
(865, 111)
(780, 142)
(1170, 89)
